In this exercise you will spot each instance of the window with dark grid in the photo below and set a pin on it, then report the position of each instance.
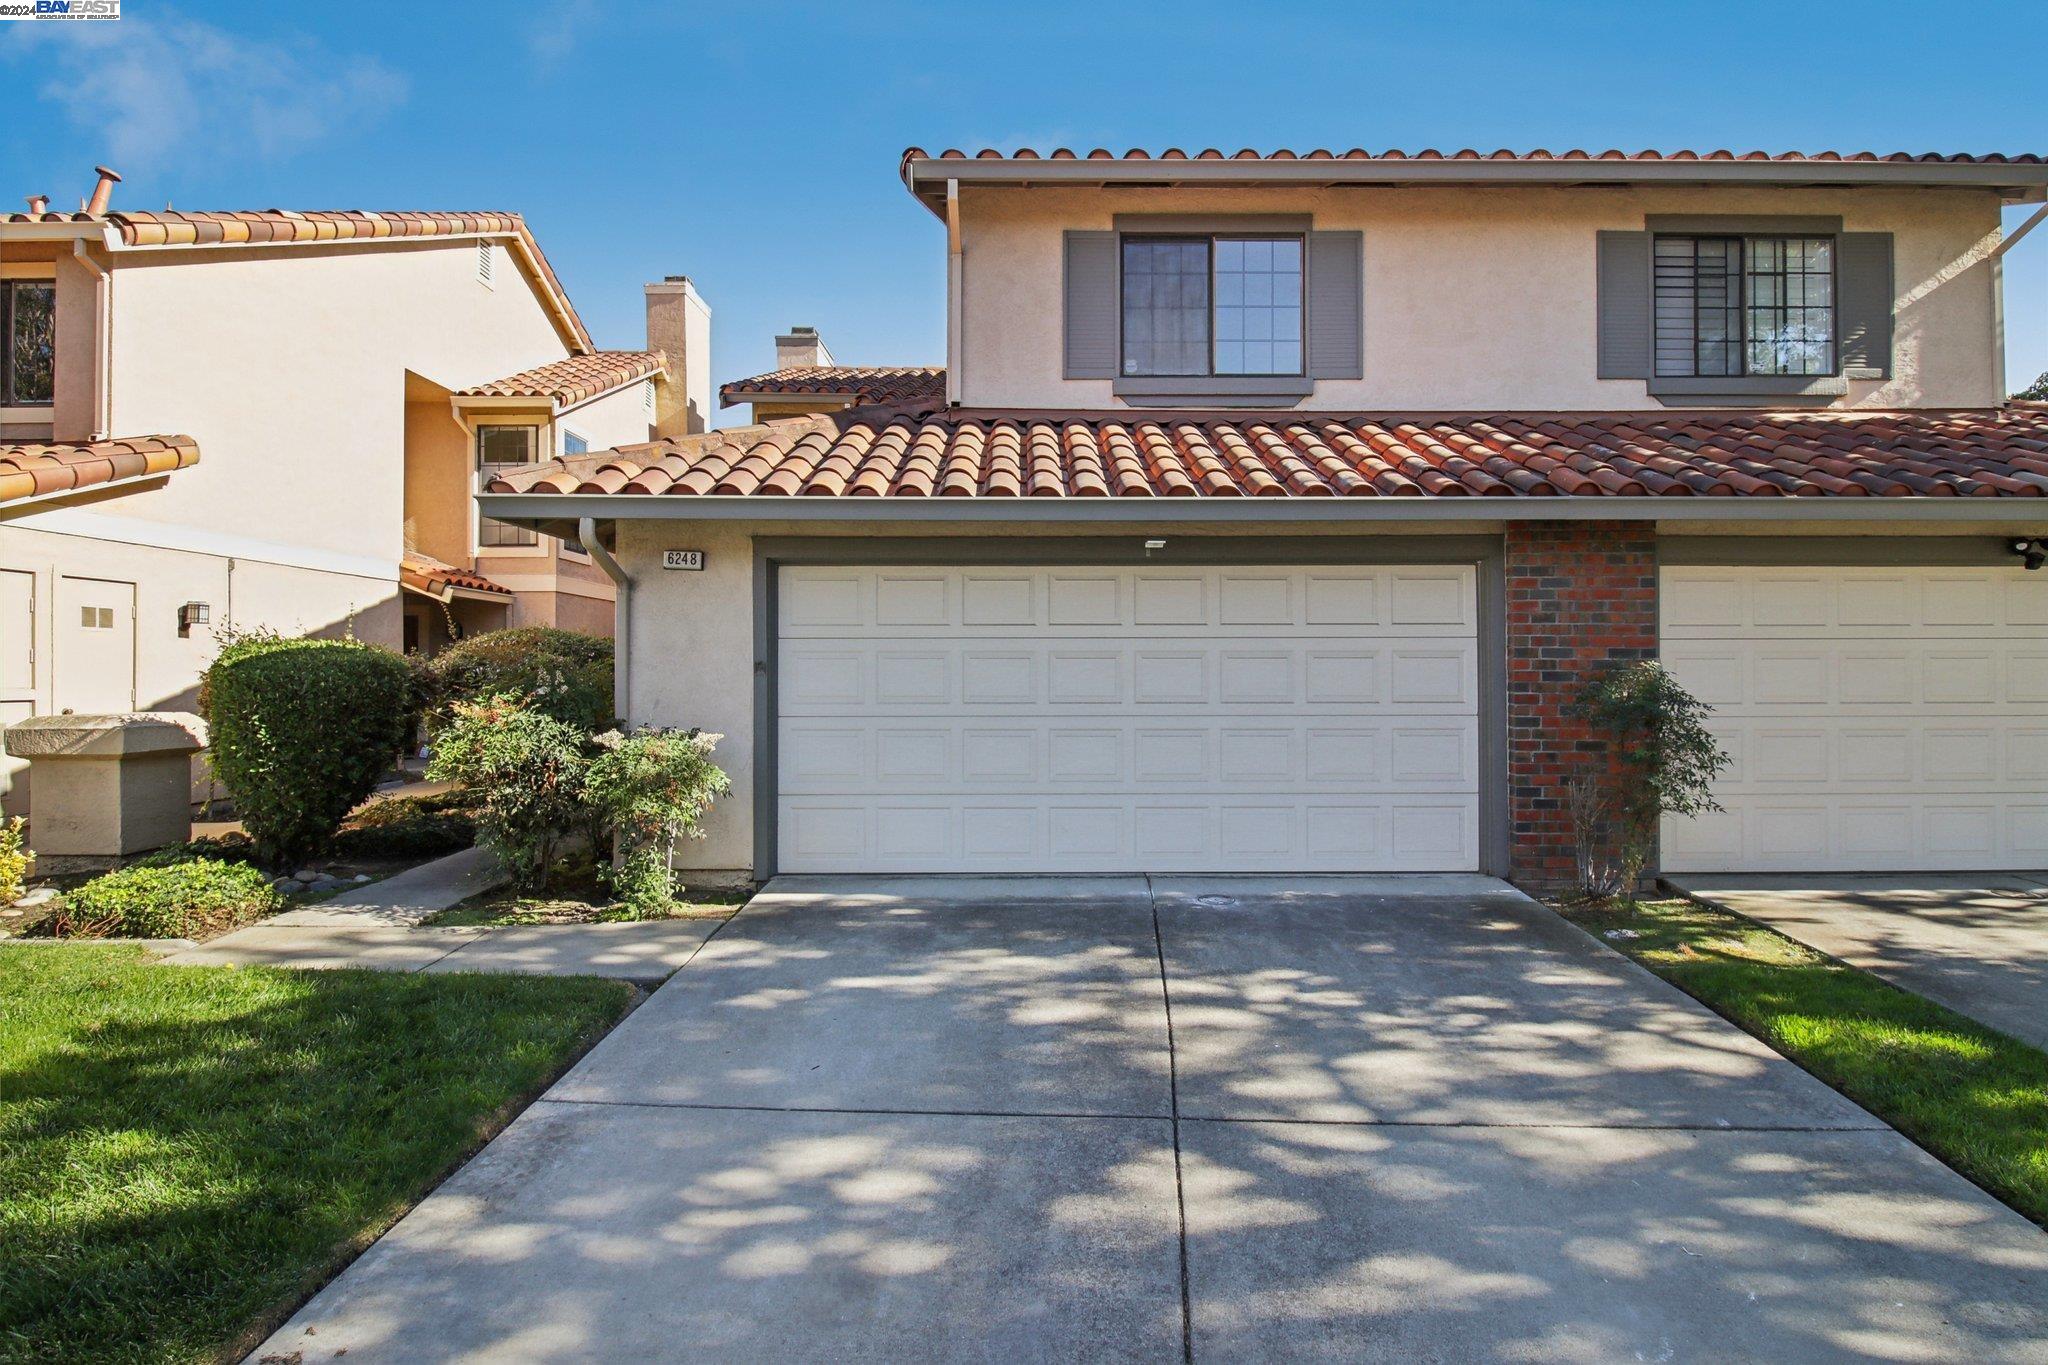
(28, 328)
(499, 449)
(1212, 305)
(1733, 306)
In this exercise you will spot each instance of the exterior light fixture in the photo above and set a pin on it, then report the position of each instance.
(1152, 545)
(193, 614)
(2033, 553)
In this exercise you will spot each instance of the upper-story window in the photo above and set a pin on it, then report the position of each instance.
(500, 448)
(1212, 305)
(573, 443)
(1732, 306)
(28, 329)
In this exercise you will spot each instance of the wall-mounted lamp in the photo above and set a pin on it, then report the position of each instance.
(193, 614)
(1152, 545)
(2033, 553)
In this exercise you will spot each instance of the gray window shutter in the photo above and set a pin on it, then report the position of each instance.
(1335, 326)
(1623, 301)
(1863, 274)
(1091, 305)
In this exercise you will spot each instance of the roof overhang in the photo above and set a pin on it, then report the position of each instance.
(79, 497)
(927, 177)
(536, 509)
(731, 397)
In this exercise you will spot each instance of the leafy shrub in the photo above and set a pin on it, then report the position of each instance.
(524, 768)
(15, 860)
(301, 730)
(1657, 758)
(562, 673)
(407, 827)
(223, 848)
(2036, 392)
(650, 788)
(186, 900)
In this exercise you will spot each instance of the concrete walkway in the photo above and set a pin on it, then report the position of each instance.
(1977, 944)
(379, 926)
(1183, 1119)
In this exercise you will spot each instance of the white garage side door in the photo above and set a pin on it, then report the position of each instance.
(1879, 719)
(1121, 720)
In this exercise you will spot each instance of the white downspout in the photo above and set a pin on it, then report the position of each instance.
(956, 306)
(103, 341)
(622, 617)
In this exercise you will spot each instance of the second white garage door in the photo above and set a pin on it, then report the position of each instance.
(1119, 719)
(1878, 718)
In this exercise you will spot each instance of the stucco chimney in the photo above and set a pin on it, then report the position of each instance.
(800, 346)
(679, 325)
(38, 205)
(102, 192)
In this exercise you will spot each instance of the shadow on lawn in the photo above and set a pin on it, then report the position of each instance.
(186, 1151)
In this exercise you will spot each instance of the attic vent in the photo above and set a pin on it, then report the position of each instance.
(647, 394)
(485, 253)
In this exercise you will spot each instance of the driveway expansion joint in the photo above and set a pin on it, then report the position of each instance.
(1180, 1196)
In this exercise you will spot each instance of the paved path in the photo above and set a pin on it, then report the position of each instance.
(1977, 944)
(1205, 1118)
(379, 926)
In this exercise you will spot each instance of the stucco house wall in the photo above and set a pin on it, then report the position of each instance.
(1480, 298)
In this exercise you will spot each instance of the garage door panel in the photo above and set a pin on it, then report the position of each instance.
(1082, 602)
(1116, 719)
(1879, 719)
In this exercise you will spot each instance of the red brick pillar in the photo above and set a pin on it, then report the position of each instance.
(1579, 594)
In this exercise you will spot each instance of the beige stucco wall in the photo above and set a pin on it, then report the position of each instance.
(1480, 298)
(239, 590)
(439, 480)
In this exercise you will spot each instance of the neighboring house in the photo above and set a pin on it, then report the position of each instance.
(346, 377)
(1281, 504)
(805, 382)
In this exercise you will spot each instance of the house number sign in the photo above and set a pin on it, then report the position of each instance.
(682, 559)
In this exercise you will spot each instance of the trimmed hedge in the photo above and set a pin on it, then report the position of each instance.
(562, 673)
(300, 732)
(185, 900)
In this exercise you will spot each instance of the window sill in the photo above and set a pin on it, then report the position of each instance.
(1749, 391)
(1226, 390)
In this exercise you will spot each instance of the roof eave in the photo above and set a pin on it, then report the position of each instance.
(533, 508)
(926, 177)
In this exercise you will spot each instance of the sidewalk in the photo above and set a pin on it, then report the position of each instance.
(379, 927)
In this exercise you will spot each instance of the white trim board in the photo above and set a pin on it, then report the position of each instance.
(189, 540)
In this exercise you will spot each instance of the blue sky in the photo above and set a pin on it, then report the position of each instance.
(754, 147)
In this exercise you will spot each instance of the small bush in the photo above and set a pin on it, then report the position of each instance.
(561, 673)
(186, 900)
(15, 860)
(650, 788)
(524, 769)
(406, 827)
(301, 731)
(1658, 758)
(222, 848)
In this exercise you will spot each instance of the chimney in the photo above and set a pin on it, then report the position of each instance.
(679, 326)
(38, 205)
(801, 346)
(102, 192)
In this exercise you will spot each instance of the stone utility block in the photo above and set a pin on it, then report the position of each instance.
(107, 786)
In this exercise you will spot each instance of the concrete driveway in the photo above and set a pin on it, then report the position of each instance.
(1339, 1119)
(1978, 944)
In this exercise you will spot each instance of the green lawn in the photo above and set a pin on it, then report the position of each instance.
(186, 1152)
(1975, 1098)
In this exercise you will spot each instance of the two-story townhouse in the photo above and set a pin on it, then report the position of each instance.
(1280, 505)
(339, 383)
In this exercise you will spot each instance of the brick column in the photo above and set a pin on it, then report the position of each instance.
(1579, 594)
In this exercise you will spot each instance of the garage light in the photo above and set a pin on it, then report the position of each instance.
(2033, 553)
(1152, 545)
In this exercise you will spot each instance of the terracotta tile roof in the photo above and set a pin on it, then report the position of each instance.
(867, 383)
(431, 576)
(574, 379)
(258, 227)
(924, 452)
(33, 470)
(1466, 154)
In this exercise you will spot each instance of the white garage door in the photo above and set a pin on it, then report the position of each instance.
(1879, 719)
(1116, 719)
